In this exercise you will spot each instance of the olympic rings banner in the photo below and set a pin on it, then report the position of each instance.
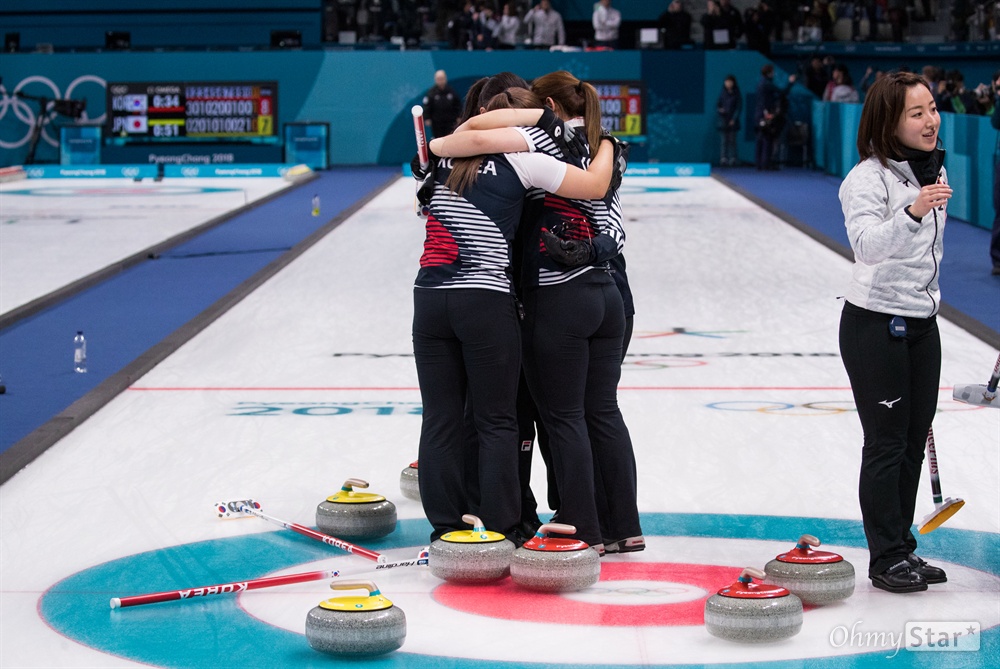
(365, 96)
(19, 116)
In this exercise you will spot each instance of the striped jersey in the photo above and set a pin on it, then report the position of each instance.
(468, 236)
(599, 221)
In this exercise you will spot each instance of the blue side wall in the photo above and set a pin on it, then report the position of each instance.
(365, 96)
(968, 141)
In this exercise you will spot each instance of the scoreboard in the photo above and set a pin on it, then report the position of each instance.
(623, 110)
(192, 110)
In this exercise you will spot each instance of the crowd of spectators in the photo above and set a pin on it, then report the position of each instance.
(776, 128)
(832, 81)
(713, 24)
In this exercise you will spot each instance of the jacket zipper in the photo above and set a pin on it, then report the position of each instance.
(934, 258)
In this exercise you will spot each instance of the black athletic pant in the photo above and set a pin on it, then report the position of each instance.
(530, 423)
(629, 320)
(467, 345)
(573, 352)
(895, 384)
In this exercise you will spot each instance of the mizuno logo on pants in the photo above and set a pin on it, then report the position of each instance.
(889, 403)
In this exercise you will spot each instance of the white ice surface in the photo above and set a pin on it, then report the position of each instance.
(153, 461)
(56, 231)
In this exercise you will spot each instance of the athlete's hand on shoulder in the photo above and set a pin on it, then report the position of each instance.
(568, 252)
(563, 135)
(620, 160)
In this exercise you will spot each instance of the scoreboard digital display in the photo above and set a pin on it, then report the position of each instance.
(623, 107)
(192, 110)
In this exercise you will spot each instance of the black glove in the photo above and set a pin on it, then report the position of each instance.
(619, 160)
(568, 252)
(424, 177)
(563, 135)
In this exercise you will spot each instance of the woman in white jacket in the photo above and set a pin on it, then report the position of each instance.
(894, 203)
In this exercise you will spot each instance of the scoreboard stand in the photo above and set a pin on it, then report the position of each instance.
(192, 122)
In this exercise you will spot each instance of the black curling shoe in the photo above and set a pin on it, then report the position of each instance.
(931, 574)
(900, 577)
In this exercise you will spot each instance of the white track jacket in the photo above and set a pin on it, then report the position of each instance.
(896, 259)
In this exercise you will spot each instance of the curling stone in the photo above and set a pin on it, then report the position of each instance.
(753, 612)
(551, 564)
(409, 483)
(356, 514)
(815, 577)
(471, 556)
(356, 626)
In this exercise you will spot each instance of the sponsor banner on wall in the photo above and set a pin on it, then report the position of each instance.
(90, 171)
(212, 153)
(668, 170)
(203, 171)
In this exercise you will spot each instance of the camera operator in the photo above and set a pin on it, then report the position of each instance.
(985, 98)
(957, 98)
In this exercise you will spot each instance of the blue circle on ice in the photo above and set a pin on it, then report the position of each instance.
(198, 633)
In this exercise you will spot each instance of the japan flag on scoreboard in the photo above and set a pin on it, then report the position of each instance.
(137, 124)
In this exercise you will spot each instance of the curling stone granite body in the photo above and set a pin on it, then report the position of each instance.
(471, 556)
(550, 564)
(356, 626)
(349, 513)
(815, 577)
(753, 612)
(409, 483)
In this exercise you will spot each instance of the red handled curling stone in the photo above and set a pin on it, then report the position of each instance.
(551, 564)
(409, 482)
(753, 612)
(816, 577)
(471, 556)
(356, 626)
(349, 513)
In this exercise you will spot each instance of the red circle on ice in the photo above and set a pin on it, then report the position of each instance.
(507, 601)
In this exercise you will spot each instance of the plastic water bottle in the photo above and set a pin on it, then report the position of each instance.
(79, 353)
(315, 205)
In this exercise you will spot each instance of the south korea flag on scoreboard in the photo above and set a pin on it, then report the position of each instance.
(136, 103)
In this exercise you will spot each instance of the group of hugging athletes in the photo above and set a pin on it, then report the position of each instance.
(523, 314)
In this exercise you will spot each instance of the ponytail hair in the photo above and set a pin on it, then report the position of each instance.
(574, 98)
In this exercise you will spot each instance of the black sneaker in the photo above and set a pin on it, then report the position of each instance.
(630, 545)
(931, 574)
(900, 577)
